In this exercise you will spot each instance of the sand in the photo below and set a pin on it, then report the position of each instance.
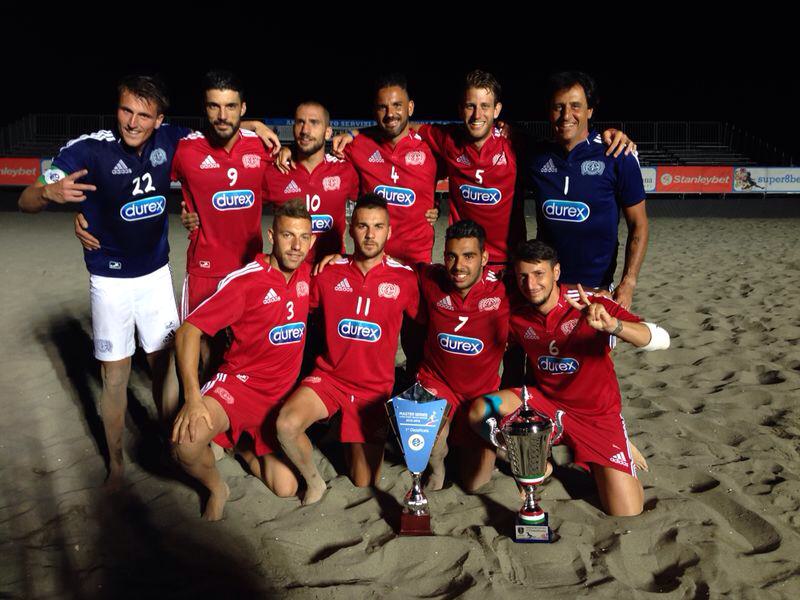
(716, 416)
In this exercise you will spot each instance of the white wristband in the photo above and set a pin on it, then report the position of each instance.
(659, 338)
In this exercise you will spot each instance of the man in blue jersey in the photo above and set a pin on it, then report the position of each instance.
(580, 192)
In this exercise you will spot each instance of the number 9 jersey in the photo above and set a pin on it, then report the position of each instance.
(128, 211)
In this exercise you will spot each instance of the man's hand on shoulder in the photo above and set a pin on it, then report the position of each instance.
(86, 239)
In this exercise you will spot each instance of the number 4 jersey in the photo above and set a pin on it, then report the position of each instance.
(226, 190)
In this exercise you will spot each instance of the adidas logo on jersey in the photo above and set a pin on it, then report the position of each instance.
(463, 160)
(530, 334)
(121, 169)
(620, 459)
(549, 167)
(343, 286)
(271, 297)
(445, 303)
(209, 163)
(292, 188)
(376, 157)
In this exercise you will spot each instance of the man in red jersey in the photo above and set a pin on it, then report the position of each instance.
(467, 314)
(324, 181)
(567, 344)
(362, 300)
(265, 304)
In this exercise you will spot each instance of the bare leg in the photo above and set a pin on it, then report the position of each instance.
(621, 494)
(113, 402)
(165, 384)
(303, 408)
(436, 463)
(273, 470)
(364, 461)
(198, 461)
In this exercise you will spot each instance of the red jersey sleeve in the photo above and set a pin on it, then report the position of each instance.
(314, 299)
(413, 306)
(175, 171)
(222, 309)
(434, 135)
(353, 183)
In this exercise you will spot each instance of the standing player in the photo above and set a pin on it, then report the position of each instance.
(362, 300)
(125, 183)
(467, 313)
(265, 304)
(324, 181)
(580, 191)
(567, 344)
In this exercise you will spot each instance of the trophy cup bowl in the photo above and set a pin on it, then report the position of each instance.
(527, 436)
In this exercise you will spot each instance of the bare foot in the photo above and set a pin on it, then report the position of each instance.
(216, 503)
(315, 492)
(638, 459)
(115, 479)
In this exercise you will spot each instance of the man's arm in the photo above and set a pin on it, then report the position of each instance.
(269, 137)
(635, 249)
(37, 196)
(638, 334)
(187, 350)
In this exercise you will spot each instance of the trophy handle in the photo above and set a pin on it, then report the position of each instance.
(493, 429)
(558, 428)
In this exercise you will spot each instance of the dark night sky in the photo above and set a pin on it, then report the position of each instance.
(665, 76)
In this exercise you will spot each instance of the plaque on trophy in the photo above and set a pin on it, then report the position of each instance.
(527, 435)
(417, 417)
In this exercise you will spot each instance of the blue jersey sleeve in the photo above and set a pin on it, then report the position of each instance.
(71, 158)
(175, 132)
(629, 187)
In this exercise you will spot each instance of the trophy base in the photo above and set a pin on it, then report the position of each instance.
(411, 524)
(536, 534)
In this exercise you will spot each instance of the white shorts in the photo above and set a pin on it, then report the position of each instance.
(123, 305)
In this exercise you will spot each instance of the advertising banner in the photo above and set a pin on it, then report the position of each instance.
(649, 179)
(695, 180)
(19, 171)
(784, 180)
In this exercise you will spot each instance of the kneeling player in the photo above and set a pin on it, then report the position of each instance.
(567, 344)
(265, 304)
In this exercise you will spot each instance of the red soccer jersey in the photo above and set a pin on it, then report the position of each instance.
(362, 315)
(225, 189)
(326, 191)
(466, 336)
(570, 360)
(406, 177)
(482, 185)
(267, 316)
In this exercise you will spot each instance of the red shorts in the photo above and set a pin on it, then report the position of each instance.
(363, 418)
(250, 408)
(196, 290)
(461, 434)
(602, 440)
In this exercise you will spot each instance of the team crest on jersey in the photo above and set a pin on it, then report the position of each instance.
(549, 167)
(446, 303)
(242, 378)
(158, 157)
(488, 304)
(500, 159)
(415, 158)
(224, 394)
(376, 157)
(569, 326)
(302, 289)
(530, 334)
(592, 167)
(292, 188)
(343, 286)
(331, 184)
(389, 290)
(271, 297)
(251, 161)
(463, 160)
(209, 163)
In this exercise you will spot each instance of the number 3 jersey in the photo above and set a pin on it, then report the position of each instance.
(466, 336)
(128, 211)
(267, 316)
(362, 315)
(569, 360)
(226, 190)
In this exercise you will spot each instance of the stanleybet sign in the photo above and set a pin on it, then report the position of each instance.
(145, 208)
(233, 199)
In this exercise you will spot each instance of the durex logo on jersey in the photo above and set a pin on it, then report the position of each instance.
(291, 333)
(320, 223)
(478, 195)
(396, 196)
(556, 365)
(233, 199)
(457, 344)
(145, 208)
(362, 331)
(565, 210)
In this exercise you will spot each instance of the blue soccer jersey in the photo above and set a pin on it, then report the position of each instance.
(128, 212)
(578, 201)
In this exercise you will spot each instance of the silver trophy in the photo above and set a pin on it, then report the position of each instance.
(526, 438)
